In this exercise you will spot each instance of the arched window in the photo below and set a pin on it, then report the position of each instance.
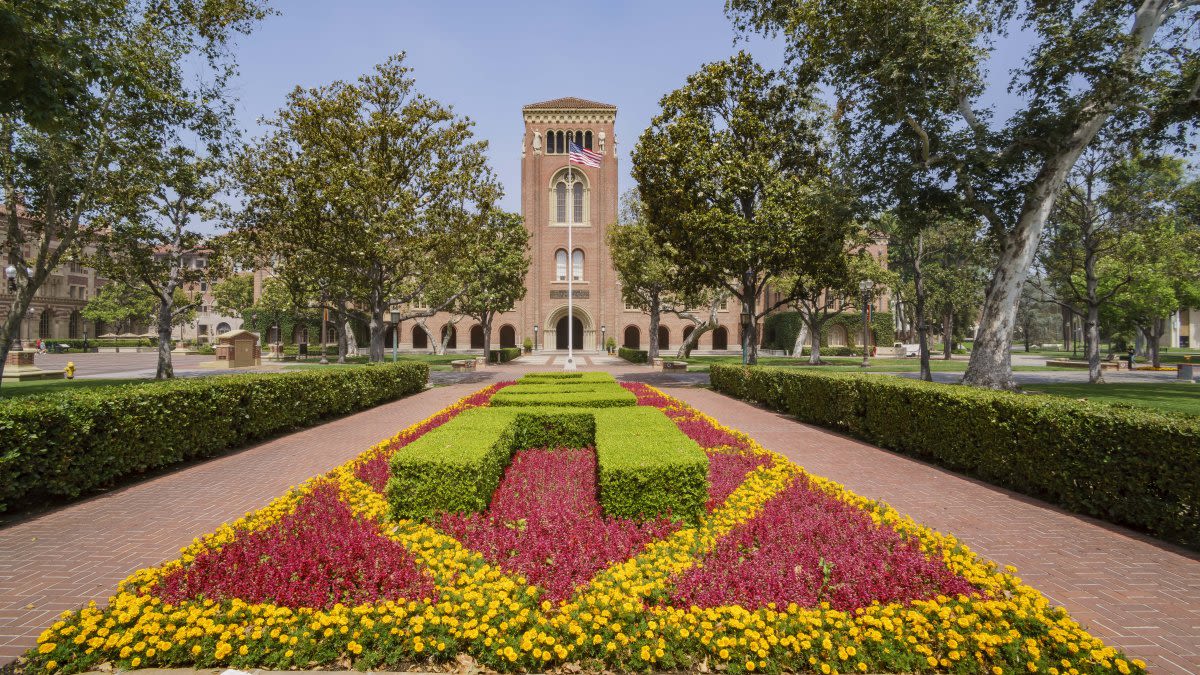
(579, 138)
(420, 339)
(587, 140)
(720, 338)
(559, 146)
(476, 337)
(508, 336)
(44, 325)
(560, 265)
(577, 204)
(633, 338)
(577, 265)
(73, 326)
(664, 337)
(560, 199)
(224, 328)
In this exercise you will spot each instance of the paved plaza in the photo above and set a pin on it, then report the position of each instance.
(1130, 590)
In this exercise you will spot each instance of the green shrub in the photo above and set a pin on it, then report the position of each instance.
(557, 376)
(781, 328)
(1129, 466)
(63, 444)
(504, 354)
(633, 355)
(606, 397)
(646, 465)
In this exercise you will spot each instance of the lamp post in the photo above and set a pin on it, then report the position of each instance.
(746, 321)
(395, 335)
(603, 341)
(865, 287)
(324, 320)
(535, 338)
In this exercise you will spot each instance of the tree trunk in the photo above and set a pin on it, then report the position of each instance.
(948, 333)
(655, 318)
(1157, 327)
(814, 347)
(798, 344)
(922, 325)
(342, 339)
(485, 323)
(1091, 323)
(166, 309)
(750, 330)
(377, 328)
(351, 338)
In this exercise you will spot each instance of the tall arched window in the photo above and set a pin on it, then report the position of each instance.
(559, 146)
(577, 203)
(44, 324)
(560, 265)
(577, 265)
(579, 138)
(587, 140)
(73, 326)
(560, 198)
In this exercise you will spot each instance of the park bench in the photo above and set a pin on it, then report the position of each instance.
(463, 364)
(674, 365)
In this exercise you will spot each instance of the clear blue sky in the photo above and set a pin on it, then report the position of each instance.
(488, 59)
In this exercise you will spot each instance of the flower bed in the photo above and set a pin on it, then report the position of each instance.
(785, 571)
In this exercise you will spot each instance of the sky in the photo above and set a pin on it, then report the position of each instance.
(488, 59)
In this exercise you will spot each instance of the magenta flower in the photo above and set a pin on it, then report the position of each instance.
(317, 556)
(545, 523)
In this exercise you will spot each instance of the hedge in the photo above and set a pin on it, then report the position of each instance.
(557, 376)
(633, 355)
(504, 354)
(63, 444)
(646, 466)
(604, 397)
(1125, 465)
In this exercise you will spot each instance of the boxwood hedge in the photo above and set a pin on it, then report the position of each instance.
(1125, 465)
(633, 355)
(63, 444)
(504, 354)
(646, 465)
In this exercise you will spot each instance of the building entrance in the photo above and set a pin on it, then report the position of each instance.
(560, 333)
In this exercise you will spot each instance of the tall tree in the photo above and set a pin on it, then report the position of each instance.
(234, 294)
(412, 187)
(119, 307)
(734, 179)
(495, 279)
(152, 244)
(149, 70)
(918, 67)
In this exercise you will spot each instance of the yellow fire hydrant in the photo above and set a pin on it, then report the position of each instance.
(70, 370)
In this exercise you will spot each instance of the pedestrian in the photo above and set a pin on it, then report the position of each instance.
(1130, 358)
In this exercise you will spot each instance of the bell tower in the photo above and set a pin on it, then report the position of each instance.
(557, 195)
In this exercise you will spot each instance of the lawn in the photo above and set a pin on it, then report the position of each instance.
(1165, 356)
(1180, 397)
(852, 364)
(14, 389)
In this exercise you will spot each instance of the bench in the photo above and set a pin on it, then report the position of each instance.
(463, 364)
(674, 365)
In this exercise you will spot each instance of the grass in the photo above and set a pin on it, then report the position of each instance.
(852, 364)
(34, 387)
(1178, 397)
(1173, 356)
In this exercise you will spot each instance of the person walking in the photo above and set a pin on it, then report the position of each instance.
(1130, 358)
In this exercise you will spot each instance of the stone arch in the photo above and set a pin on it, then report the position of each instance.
(420, 339)
(664, 337)
(632, 338)
(720, 338)
(569, 210)
(585, 323)
(452, 343)
(508, 336)
(476, 337)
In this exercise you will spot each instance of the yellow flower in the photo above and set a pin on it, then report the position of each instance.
(46, 647)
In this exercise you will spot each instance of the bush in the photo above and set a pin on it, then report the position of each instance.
(1129, 466)
(63, 444)
(634, 355)
(559, 376)
(504, 354)
(584, 395)
(646, 466)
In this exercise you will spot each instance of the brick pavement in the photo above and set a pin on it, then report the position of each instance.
(1132, 591)
(64, 558)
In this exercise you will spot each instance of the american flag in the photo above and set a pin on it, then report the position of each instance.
(583, 156)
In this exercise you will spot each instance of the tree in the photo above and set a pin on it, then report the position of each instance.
(412, 187)
(495, 279)
(734, 179)
(917, 68)
(119, 307)
(234, 294)
(151, 247)
(137, 75)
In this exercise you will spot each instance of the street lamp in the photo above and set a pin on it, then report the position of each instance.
(603, 342)
(865, 287)
(535, 338)
(10, 273)
(395, 335)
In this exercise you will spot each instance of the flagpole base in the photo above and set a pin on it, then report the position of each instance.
(570, 363)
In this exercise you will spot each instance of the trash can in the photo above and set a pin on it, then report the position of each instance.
(303, 350)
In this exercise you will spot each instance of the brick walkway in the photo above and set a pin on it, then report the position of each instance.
(64, 558)
(1132, 591)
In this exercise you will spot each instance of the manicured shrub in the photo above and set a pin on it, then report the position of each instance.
(648, 467)
(504, 354)
(633, 355)
(565, 392)
(1129, 466)
(557, 376)
(60, 445)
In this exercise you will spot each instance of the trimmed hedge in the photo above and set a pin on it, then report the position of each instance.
(63, 444)
(1125, 465)
(633, 355)
(647, 467)
(556, 376)
(606, 397)
(504, 354)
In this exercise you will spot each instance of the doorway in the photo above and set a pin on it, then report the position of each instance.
(560, 333)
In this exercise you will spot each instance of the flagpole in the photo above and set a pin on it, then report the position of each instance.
(570, 364)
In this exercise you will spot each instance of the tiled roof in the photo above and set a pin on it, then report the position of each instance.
(569, 103)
